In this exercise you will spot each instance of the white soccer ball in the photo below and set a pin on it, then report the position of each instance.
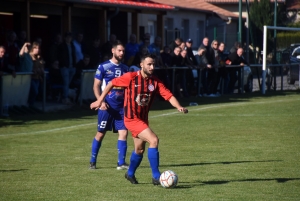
(168, 179)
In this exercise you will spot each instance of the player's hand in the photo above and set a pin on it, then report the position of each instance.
(96, 105)
(184, 110)
(104, 106)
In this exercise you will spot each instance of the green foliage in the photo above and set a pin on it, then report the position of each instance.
(261, 13)
(296, 25)
(239, 147)
(284, 39)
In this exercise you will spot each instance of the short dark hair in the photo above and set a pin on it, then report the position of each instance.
(152, 56)
(116, 43)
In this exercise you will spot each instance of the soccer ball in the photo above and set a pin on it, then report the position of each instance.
(168, 179)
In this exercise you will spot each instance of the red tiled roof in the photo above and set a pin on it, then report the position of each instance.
(198, 5)
(293, 5)
(134, 3)
(237, 1)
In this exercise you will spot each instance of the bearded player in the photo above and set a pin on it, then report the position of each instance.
(110, 111)
(140, 90)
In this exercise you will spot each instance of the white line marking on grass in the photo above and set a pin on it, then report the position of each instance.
(50, 130)
(155, 116)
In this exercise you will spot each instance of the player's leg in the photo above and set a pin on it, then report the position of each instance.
(122, 150)
(104, 124)
(149, 136)
(96, 144)
(122, 139)
(137, 155)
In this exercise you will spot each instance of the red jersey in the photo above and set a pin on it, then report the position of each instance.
(140, 93)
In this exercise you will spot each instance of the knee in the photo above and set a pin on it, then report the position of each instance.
(154, 142)
(99, 136)
(123, 134)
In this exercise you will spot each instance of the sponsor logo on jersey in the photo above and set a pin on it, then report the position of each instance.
(109, 72)
(98, 72)
(142, 99)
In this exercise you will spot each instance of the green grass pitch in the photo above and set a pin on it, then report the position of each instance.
(238, 147)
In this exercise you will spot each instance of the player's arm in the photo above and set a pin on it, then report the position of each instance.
(97, 87)
(174, 102)
(97, 92)
(98, 103)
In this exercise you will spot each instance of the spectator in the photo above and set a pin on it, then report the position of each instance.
(235, 47)
(223, 72)
(177, 61)
(175, 43)
(67, 61)
(12, 51)
(182, 45)
(147, 37)
(186, 78)
(166, 56)
(131, 49)
(95, 54)
(190, 54)
(106, 48)
(155, 47)
(79, 49)
(32, 60)
(235, 58)
(208, 71)
(26, 61)
(201, 63)
(215, 71)
(3, 64)
(201, 58)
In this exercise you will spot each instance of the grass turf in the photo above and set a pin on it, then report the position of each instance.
(240, 147)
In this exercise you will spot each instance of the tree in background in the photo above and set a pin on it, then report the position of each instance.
(261, 13)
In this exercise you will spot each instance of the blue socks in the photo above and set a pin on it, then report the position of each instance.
(95, 149)
(122, 149)
(153, 157)
(135, 161)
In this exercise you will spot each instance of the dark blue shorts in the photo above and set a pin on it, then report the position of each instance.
(111, 120)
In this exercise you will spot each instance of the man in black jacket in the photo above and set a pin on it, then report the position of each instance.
(235, 58)
(67, 62)
(208, 73)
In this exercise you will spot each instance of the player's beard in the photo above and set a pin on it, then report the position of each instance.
(147, 72)
(118, 58)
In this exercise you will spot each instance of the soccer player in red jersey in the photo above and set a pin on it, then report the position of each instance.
(140, 90)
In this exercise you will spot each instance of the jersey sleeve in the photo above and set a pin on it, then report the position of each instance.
(100, 73)
(124, 80)
(164, 91)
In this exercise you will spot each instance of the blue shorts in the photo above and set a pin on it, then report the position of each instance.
(111, 119)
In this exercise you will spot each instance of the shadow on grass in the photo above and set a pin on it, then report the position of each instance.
(16, 170)
(185, 185)
(224, 163)
(278, 180)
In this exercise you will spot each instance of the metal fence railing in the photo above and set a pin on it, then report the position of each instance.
(15, 91)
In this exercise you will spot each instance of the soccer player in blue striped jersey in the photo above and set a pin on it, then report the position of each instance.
(111, 113)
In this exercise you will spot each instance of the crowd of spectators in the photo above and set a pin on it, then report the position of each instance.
(67, 56)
